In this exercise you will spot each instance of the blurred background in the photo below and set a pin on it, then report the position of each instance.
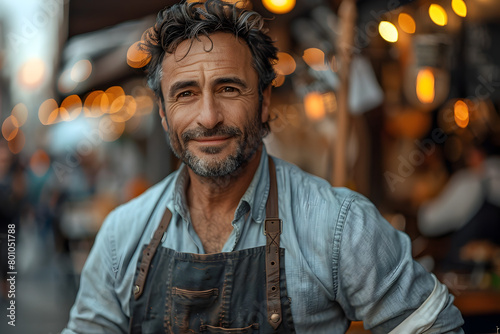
(398, 100)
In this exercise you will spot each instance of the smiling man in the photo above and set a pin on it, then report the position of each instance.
(237, 241)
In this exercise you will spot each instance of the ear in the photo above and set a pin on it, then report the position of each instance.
(266, 102)
(162, 115)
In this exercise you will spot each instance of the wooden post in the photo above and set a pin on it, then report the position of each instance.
(345, 46)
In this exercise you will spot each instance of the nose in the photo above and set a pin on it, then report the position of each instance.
(210, 114)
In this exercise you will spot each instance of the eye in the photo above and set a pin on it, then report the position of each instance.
(185, 94)
(229, 90)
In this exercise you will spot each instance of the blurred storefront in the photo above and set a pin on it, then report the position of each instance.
(398, 100)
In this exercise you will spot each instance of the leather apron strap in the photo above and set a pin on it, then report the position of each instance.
(149, 252)
(272, 230)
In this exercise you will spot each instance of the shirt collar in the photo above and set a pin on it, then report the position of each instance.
(255, 196)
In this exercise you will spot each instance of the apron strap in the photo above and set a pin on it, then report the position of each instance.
(273, 231)
(149, 252)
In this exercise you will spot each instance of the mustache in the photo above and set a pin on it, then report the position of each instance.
(201, 132)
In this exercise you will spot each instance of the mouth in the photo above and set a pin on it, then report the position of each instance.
(212, 140)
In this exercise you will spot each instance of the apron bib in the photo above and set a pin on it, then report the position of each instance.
(232, 292)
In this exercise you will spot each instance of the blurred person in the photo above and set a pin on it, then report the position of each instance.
(236, 240)
(467, 209)
(12, 192)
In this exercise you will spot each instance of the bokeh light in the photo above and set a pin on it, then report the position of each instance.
(20, 112)
(286, 64)
(425, 86)
(128, 107)
(459, 7)
(48, 112)
(406, 23)
(136, 57)
(315, 58)
(81, 70)
(17, 144)
(279, 6)
(89, 109)
(32, 73)
(461, 113)
(388, 31)
(314, 106)
(438, 15)
(70, 108)
(10, 128)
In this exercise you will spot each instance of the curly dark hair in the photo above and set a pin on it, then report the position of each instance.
(189, 20)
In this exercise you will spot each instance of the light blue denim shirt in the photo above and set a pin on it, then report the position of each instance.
(343, 260)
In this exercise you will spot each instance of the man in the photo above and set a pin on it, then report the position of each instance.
(236, 241)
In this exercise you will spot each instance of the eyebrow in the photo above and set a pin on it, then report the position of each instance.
(180, 85)
(233, 80)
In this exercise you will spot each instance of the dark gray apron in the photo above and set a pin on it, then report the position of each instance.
(233, 292)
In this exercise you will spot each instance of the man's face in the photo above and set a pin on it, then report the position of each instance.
(212, 108)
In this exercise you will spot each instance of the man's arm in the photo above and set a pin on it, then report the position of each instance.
(97, 308)
(381, 284)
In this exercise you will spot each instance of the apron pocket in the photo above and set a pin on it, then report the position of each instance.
(221, 330)
(194, 297)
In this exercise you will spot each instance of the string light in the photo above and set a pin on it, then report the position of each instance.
(406, 23)
(388, 31)
(279, 6)
(438, 15)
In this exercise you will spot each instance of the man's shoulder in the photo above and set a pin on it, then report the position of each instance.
(294, 179)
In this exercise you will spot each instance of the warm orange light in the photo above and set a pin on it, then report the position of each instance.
(101, 102)
(461, 113)
(438, 15)
(10, 128)
(136, 57)
(32, 73)
(20, 112)
(314, 106)
(286, 64)
(315, 58)
(461, 110)
(279, 6)
(48, 112)
(426, 85)
(71, 107)
(279, 80)
(388, 31)
(126, 111)
(81, 70)
(89, 109)
(39, 162)
(459, 7)
(17, 144)
(115, 93)
(407, 23)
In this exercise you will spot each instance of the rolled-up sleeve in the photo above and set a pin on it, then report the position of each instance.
(380, 283)
(97, 308)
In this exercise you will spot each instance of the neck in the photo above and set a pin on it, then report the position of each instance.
(222, 194)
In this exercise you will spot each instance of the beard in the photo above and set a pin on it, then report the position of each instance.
(248, 141)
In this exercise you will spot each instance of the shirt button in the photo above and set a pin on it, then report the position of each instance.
(275, 317)
(136, 289)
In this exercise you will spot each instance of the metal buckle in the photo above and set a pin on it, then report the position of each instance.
(277, 219)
